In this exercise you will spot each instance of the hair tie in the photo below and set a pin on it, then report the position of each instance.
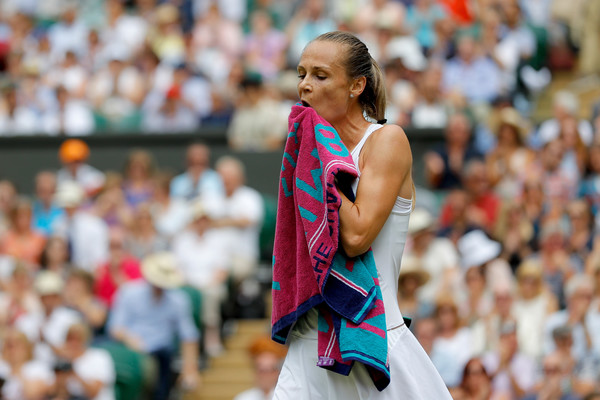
(382, 121)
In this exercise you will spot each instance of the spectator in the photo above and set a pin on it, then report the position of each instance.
(195, 91)
(55, 256)
(241, 219)
(203, 259)
(470, 75)
(111, 205)
(68, 34)
(430, 110)
(578, 291)
(79, 296)
(565, 106)
(143, 239)
(139, 170)
(171, 115)
(308, 22)
(264, 48)
(267, 357)
(452, 346)
(170, 214)
(73, 154)
(85, 233)
(512, 372)
(444, 166)
(71, 117)
(120, 268)
(579, 241)
(45, 211)
(21, 241)
(554, 383)
(588, 188)
(257, 123)
(421, 17)
(198, 181)
(412, 277)
(8, 197)
(437, 255)
(165, 37)
(475, 384)
(216, 44)
(507, 161)
(23, 376)
(155, 303)
(48, 327)
(515, 232)
(84, 372)
(17, 297)
(487, 329)
(16, 119)
(533, 305)
(583, 371)
(483, 206)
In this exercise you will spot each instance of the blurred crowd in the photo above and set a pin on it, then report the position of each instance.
(501, 272)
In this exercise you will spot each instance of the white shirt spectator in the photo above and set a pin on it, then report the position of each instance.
(560, 318)
(522, 368)
(450, 355)
(129, 30)
(244, 203)
(440, 256)
(94, 365)
(200, 257)
(550, 130)
(31, 370)
(68, 37)
(24, 121)
(90, 178)
(173, 219)
(76, 119)
(54, 327)
(88, 237)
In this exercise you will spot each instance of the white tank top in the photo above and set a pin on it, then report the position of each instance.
(387, 251)
(389, 244)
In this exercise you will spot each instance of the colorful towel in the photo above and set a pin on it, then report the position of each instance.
(308, 268)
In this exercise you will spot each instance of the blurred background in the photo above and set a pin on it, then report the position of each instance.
(140, 149)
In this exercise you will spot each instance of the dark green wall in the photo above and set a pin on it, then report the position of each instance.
(22, 157)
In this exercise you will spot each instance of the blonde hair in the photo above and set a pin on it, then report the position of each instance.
(358, 63)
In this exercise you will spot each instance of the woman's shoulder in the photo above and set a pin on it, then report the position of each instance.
(388, 144)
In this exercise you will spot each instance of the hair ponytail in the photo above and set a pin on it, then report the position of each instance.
(360, 63)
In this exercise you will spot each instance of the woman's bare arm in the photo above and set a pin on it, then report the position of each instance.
(385, 173)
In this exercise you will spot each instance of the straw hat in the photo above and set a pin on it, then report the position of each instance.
(160, 269)
(529, 269)
(411, 266)
(73, 150)
(511, 117)
(69, 194)
(476, 249)
(420, 220)
(48, 283)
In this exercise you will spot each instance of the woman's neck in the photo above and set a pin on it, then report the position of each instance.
(351, 128)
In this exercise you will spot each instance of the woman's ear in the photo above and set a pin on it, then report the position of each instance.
(358, 86)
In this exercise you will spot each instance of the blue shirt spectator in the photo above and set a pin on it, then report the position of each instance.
(137, 311)
(44, 218)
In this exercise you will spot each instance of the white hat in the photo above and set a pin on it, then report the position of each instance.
(160, 269)
(420, 219)
(408, 50)
(411, 265)
(48, 282)
(69, 194)
(477, 249)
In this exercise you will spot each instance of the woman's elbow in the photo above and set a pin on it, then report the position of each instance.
(354, 245)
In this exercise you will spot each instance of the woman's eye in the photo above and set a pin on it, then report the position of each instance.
(321, 78)
(301, 76)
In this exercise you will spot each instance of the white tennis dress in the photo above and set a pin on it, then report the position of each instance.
(413, 376)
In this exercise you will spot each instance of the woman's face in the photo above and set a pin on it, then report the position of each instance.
(23, 219)
(324, 84)
(57, 251)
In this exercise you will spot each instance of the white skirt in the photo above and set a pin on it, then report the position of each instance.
(413, 376)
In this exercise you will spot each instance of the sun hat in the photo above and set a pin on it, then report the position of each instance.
(411, 266)
(407, 50)
(69, 194)
(48, 283)
(72, 150)
(476, 249)
(160, 269)
(511, 117)
(420, 220)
